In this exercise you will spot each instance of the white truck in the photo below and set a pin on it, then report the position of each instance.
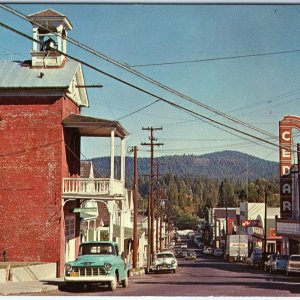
(236, 248)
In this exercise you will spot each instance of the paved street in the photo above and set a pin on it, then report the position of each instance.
(208, 276)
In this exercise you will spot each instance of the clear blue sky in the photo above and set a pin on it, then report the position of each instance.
(259, 90)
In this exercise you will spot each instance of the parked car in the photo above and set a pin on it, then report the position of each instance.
(279, 263)
(293, 264)
(164, 261)
(218, 252)
(255, 258)
(97, 263)
(208, 251)
(267, 264)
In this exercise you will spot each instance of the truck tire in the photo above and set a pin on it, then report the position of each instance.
(112, 285)
(125, 282)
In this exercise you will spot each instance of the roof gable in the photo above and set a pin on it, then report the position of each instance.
(17, 75)
(43, 17)
(47, 13)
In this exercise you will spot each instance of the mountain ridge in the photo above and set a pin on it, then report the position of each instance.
(217, 165)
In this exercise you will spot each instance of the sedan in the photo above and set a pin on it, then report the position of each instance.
(218, 252)
(279, 264)
(293, 264)
(208, 251)
(164, 261)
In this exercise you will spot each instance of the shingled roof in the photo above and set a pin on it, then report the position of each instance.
(47, 13)
(50, 14)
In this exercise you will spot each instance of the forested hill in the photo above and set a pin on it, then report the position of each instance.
(218, 165)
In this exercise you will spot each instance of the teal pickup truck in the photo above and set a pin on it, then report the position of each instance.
(97, 263)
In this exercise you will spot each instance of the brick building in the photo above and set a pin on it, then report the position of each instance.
(40, 129)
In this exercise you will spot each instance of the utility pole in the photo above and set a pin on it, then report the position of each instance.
(265, 231)
(149, 235)
(135, 212)
(152, 144)
(158, 204)
(226, 214)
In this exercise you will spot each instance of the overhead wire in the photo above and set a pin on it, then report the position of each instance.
(141, 75)
(214, 58)
(198, 115)
(138, 110)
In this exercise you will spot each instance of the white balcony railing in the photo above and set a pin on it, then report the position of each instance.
(96, 186)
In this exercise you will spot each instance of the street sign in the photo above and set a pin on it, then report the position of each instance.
(251, 223)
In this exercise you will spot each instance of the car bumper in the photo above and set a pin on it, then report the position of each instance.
(279, 268)
(163, 268)
(293, 270)
(101, 278)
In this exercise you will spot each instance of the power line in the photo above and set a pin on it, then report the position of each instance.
(138, 110)
(214, 59)
(197, 115)
(141, 75)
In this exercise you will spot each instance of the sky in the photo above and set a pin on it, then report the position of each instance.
(242, 60)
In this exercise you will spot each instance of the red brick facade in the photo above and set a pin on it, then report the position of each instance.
(33, 160)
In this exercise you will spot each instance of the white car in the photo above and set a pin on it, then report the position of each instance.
(164, 261)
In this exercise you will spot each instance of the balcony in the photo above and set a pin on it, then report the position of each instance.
(92, 188)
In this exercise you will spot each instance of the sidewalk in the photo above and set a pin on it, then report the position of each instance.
(39, 286)
(42, 286)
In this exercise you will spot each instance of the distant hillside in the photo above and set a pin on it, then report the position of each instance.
(218, 165)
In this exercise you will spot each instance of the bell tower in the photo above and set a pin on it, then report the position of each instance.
(49, 28)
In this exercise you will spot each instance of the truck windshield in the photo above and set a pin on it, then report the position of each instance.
(91, 249)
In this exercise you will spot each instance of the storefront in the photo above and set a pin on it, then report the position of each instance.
(290, 232)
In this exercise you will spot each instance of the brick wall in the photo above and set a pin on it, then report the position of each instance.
(32, 164)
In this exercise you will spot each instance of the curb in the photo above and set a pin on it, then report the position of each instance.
(42, 286)
(15, 288)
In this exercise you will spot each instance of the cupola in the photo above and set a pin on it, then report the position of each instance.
(50, 28)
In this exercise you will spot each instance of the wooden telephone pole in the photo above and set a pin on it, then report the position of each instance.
(135, 212)
(159, 214)
(151, 144)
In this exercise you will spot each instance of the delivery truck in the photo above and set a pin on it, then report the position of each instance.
(236, 248)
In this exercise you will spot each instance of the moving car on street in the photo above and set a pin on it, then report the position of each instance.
(164, 261)
(191, 255)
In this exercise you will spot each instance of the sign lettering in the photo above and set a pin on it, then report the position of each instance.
(285, 140)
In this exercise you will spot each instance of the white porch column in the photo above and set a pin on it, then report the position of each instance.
(123, 160)
(121, 230)
(110, 207)
(112, 154)
(111, 227)
(112, 161)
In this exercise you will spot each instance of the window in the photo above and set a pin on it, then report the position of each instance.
(70, 228)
